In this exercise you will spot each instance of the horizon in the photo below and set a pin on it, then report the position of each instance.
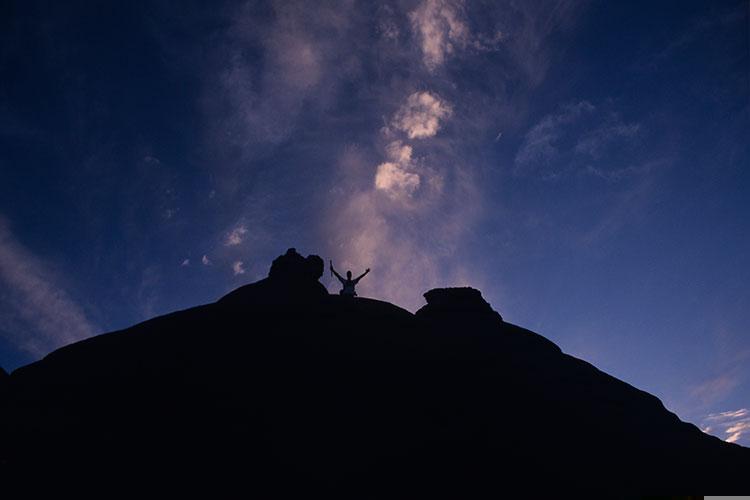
(584, 166)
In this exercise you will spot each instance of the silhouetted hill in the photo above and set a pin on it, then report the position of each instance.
(281, 389)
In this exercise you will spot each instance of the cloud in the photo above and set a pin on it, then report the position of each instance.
(393, 177)
(715, 389)
(235, 236)
(36, 301)
(583, 139)
(275, 69)
(593, 142)
(733, 424)
(737, 430)
(238, 268)
(205, 260)
(185, 263)
(540, 144)
(742, 412)
(395, 181)
(441, 29)
(420, 116)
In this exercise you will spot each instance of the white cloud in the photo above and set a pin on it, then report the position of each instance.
(420, 116)
(742, 412)
(205, 260)
(734, 425)
(395, 181)
(441, 28)
(235, 236)
(185, 263)
(35, 297)
(238, 268)
(394, 177)
(737, 430)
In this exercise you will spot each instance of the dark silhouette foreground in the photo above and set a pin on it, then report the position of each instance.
(269, 392)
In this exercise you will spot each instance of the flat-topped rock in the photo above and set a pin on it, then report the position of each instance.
(464, 299)
(458, 303)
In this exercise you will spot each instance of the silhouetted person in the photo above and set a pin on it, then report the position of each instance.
(348, 283)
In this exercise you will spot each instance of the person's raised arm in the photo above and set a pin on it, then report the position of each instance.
(336, 274)
(362, 275)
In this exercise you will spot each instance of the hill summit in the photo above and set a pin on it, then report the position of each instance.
(279, 389)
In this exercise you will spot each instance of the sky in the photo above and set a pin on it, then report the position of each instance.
(584, 164)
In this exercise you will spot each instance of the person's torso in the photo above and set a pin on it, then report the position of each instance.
(348, 287)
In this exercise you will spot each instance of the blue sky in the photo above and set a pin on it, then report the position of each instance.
(584, 164)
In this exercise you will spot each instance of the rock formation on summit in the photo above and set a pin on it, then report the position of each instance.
(282, 390)
(293, 267)
(292, 278)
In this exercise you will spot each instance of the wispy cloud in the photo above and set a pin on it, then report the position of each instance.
(541, 143)
(441, 29)
(715, 389)
(594, 141)
(205, 260)
(733, 426)
(238, 268)
(235, 236)
(36, 296)
(581, 138)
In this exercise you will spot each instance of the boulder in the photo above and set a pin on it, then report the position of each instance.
(458, 300)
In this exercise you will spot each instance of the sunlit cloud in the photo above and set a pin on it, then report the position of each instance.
(732, 426)
(421, 115)
(206, 261)
(50, 318)
(238, 268)
(742, 412)
(441, 29)
(235, 236)
(737, 430)
(394, 177)
(395, 181)
(185, 263)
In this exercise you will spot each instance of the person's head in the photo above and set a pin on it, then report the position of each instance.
(348, 275)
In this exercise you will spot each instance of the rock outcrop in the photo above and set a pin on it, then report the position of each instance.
(293, 267)
(456, 301)
(291, 279)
